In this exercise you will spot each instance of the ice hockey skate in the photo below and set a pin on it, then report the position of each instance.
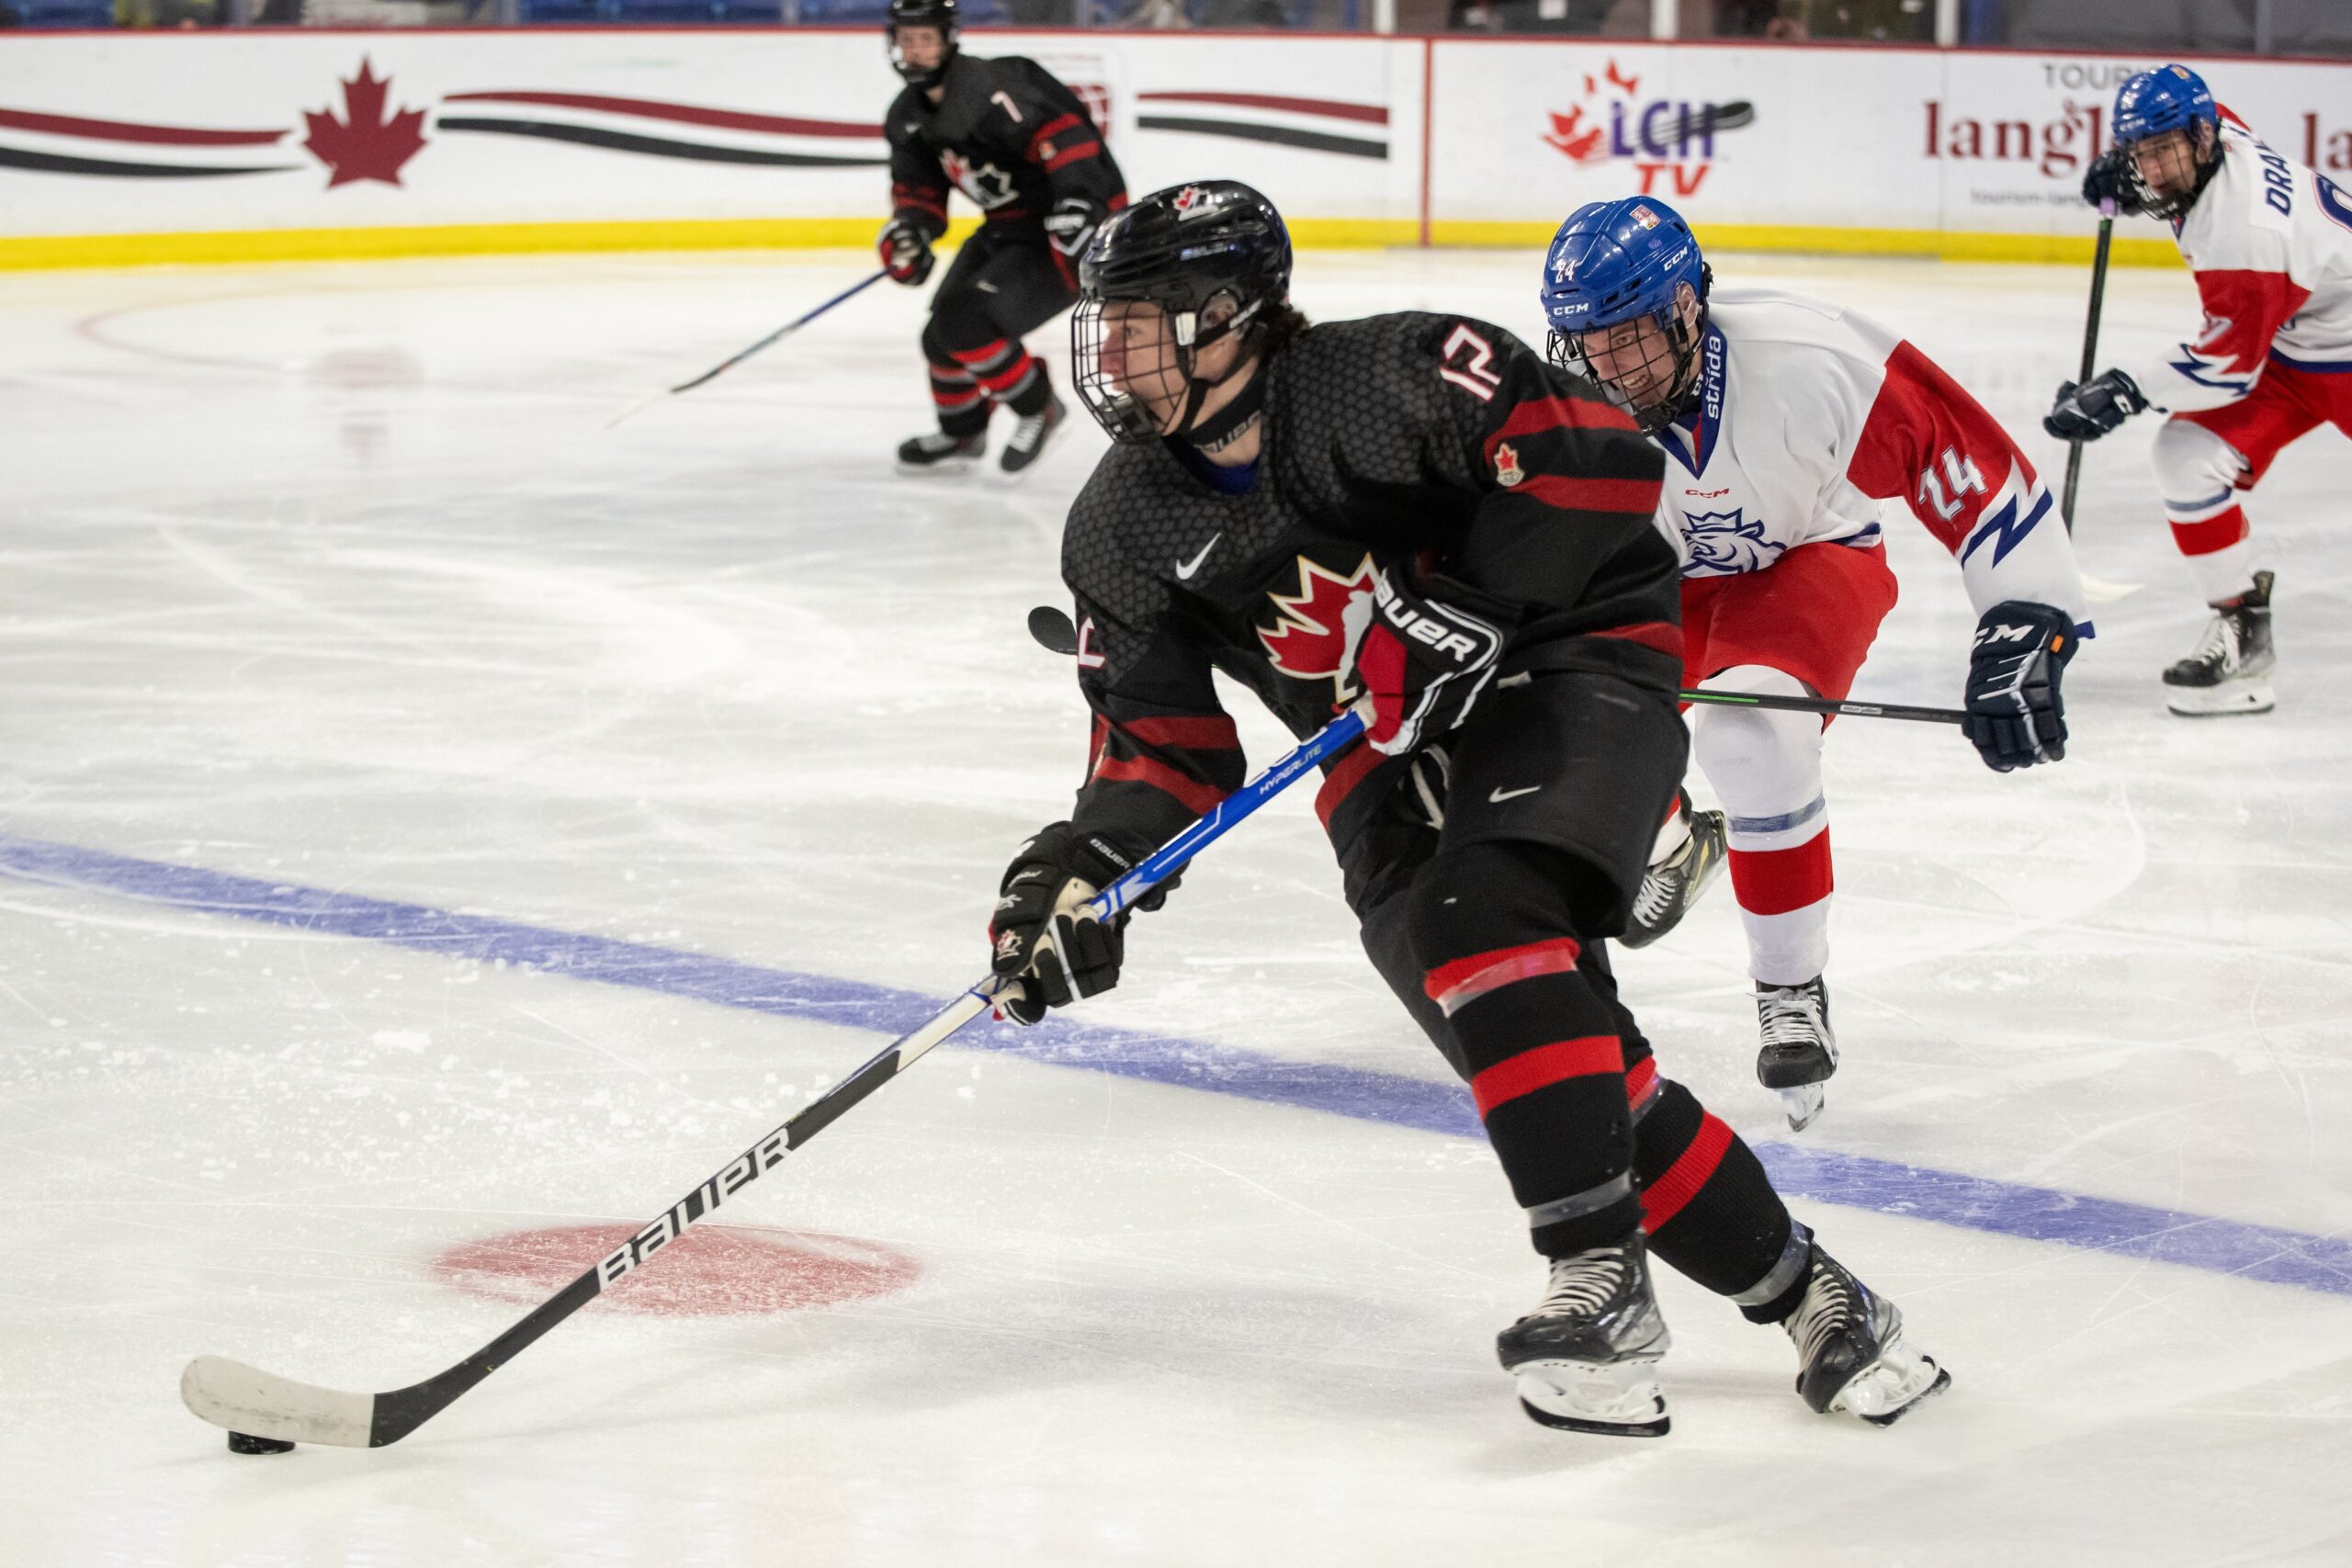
(2229, 671)
(1799, 1051)
(1852, 1358)
(1672, 886)
(1032, 436)
(938, 452)
(1586, 1358)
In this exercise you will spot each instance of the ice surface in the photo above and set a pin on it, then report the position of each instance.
(329, 581)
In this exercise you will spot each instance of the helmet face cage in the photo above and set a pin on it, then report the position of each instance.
(2174, 153)
(1108, 375)
(2148, 109)
(1667, 357)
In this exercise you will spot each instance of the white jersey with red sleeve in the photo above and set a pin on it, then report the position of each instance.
(2271, 245)
(1810, 416)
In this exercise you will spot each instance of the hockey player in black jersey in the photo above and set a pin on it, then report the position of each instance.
(1417, 510)
(1022, 147)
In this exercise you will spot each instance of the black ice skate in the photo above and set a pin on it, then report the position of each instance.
(1851, 1357)
(2230, 669)
(1674, 884)
(939, 452)
(1032, 436)
(1799, 1052)
(1586, 1358)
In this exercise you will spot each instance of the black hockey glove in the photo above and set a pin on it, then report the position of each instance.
(2110, 178)
(2088, 412)
(906, 252)
(1070, 226)
(1423, 663)
(2014, 714)
(1037, 934)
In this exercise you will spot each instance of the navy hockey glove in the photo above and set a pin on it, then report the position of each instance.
(1037, 934)
(2014, 714)
(906, 252)
(2088, 412)
(2110, 178)
(1423, 663)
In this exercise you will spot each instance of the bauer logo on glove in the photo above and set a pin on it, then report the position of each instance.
(1421, 663)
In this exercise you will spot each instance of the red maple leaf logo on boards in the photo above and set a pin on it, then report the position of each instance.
(1310, 637)
(1578, 144)
(366, 145)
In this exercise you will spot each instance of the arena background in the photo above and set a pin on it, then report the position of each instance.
(137, 147)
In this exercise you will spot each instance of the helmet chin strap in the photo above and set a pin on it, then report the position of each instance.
(1228, 422)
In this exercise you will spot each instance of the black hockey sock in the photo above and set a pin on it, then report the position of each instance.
(1033, 395)
(1540, 1046)
(1709, 1209)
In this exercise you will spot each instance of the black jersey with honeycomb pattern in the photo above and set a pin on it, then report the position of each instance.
(1438, 444)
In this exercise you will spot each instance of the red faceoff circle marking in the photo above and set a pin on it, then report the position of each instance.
(711, 1271)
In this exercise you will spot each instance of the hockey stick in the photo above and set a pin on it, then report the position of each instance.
(2090, 354)
(268, 1414)
(1054, 633)
(2099, 591)
(776, 336)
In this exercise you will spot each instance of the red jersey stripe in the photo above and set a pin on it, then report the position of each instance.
(1590, 495)
(1215, 734)
(1051, 128)
(1538, 414)
(1545, 1066)
(1192, 793)
(1071, 154)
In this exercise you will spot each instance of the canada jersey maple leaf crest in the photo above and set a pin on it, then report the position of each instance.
(1310, 637)
(366, 144)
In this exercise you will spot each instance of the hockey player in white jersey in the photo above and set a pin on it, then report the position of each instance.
(2270, 244)
(1787, 421)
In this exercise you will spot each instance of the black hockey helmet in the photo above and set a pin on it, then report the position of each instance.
(944, 14)
(1213, 255)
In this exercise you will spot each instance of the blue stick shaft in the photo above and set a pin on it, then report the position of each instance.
(1164, 862)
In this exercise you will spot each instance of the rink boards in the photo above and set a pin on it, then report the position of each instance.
(170, 147)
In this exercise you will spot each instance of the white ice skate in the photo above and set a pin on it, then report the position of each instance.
(1852, 1358)
(1674, 884)
(1799, 1051)
(2229, 670)
(1586, 1358)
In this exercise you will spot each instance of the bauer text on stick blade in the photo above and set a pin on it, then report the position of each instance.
(264, 1411)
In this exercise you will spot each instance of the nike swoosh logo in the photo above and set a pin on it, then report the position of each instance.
(1184, 568)
(1501, 795)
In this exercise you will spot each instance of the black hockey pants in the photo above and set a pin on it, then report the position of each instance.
(1490, 944)
(1005, 283)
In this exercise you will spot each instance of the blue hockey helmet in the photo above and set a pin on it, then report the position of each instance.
(1615, 262)
(2153, 104)
(2170, 97)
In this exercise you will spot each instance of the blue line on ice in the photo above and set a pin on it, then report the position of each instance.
(2193, 1241)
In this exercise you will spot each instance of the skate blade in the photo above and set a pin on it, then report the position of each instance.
(1803, 1104)
(1884, 1393)
(1610, 1399)
(946, 467)
(2220, 702)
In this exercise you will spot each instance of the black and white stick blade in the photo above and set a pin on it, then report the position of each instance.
(1053, 631)
(256, 1404)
